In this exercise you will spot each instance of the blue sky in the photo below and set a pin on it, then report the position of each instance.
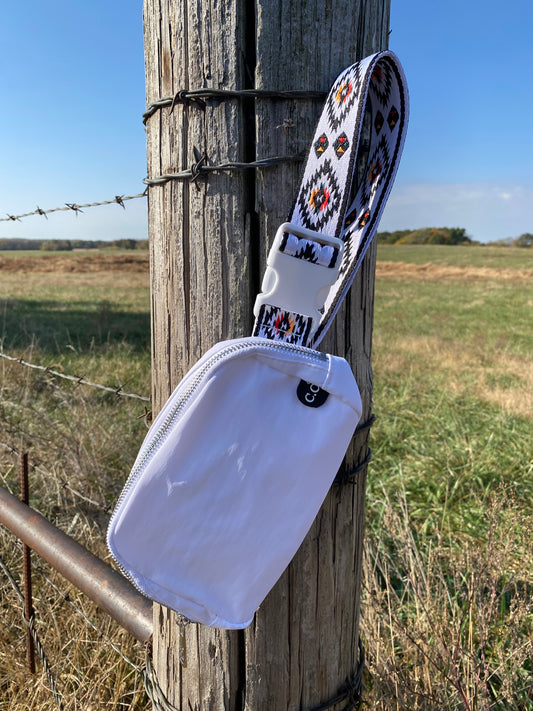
(72, 86)
(468, 156)
(72, 82)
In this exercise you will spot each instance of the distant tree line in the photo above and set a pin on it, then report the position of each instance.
(423, 235)
(525, 240)
(447, 235)
(67, 245)
(426, 235)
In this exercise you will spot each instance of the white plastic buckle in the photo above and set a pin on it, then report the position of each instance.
(294, 284)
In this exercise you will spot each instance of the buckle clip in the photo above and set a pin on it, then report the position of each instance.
(296, 284)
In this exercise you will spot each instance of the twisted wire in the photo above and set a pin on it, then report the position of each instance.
(74, 378)
(30, 624)
(200, 168)
(351, 690)
(197, 96)
(74, 207)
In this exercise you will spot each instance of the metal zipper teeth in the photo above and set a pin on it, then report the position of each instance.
(160, 435)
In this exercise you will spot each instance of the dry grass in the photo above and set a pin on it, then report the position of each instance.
(70, 283)
(505, 381)
(81, 443)
(449, 625)
(71, 435)
(443, 272)
(86, 650)
(447, 614)
(76, 263)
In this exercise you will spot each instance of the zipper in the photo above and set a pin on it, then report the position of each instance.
(198, 374)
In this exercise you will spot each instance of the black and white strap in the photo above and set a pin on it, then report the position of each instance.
(335, 203)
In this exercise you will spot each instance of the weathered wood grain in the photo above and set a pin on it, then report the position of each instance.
(199, 248)
(208, 243)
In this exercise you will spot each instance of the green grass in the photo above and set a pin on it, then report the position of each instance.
(473, 256)
(485, 317)
(81, 443)
(96, 325)
(448, 604)
(18, 253)
(453, 393)
(447, 609)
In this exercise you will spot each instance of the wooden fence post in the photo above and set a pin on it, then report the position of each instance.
(208, 242)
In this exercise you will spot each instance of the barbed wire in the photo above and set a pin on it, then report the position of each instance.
(31, 625)
(197, 96)
(79, 380)
(197, 169)
(74, 207)
(200, 167)
(30, 622)
(44, 661)
(352, 688)
(187, 97)
(151, 685)
(62, 595)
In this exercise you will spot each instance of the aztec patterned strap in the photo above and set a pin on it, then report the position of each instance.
(332, 201)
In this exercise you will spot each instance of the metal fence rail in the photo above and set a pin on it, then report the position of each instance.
(109, 590)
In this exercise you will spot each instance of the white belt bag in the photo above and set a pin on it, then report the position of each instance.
(231, 476)
(237, 464)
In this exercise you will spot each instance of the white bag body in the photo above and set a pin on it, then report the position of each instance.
(231, 476)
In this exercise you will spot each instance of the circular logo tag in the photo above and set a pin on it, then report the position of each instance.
(311, 395)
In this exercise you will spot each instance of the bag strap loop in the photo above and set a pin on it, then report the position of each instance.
(333, 202)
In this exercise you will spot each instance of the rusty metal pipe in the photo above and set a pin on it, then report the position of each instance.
(107, 588)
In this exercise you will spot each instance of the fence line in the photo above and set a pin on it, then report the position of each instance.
(30, 623)
(65, 597)
(87, 620)
(80, 380)
(74, 207)
(38, 644)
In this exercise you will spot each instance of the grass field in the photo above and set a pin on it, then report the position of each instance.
(457, 256)
(447, 613)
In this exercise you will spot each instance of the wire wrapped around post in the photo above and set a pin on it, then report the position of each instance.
(199, 97)
(202, 168)
(351, 690)
(350, 477)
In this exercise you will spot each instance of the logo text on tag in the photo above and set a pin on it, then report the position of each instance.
(310, 394)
